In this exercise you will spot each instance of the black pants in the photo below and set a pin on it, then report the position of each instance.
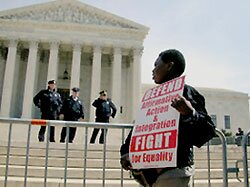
(42, 132)
(43, 129)
(72, 132)
(103, 133)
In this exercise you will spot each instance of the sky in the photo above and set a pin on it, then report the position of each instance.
(213, 35)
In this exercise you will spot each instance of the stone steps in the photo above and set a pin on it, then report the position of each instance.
(39, 182)
(95, 162)
(59, 153)
(60, 162)
(56, 182)
(95, 173)
(94, 165)
(96, 151)
(58, 172)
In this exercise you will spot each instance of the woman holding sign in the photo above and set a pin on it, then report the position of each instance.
(139, 152)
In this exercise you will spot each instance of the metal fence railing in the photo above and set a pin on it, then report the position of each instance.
(224, 157)
(12, 123)
(245, 160)
(123, 130)
(223, 141)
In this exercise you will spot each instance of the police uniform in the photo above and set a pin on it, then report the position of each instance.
(72, 110)
(49, 101)
(104, 109)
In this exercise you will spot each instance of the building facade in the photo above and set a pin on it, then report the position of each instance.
(81, 46)
(77, 45)
(229, 109)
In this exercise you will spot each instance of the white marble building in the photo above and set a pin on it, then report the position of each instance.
(228, 109)
(80, 45)
(75, 44)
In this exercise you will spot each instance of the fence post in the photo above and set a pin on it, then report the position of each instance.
(8, 156)
(245, 164)
(224, 156)
(47, 154)
(27, 156)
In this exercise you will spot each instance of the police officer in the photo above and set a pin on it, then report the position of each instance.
(72, 110)
(49, 101)
(104, 109)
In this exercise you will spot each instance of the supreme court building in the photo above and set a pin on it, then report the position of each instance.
(77, 45)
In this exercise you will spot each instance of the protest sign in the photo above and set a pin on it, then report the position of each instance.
(155, 133)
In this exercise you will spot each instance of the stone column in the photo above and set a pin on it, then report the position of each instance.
(30, 78)
(76, 66)
(95, 79)
(116, 80)
(53, 62)
(136, 83)
(8, 79)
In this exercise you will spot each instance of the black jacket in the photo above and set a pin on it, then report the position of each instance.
(195, 129)
(72, 109)
(104, 108)
(48, 101)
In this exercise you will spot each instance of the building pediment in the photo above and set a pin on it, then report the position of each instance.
(69, 11)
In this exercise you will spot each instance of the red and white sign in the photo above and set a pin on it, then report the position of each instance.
(154, 139)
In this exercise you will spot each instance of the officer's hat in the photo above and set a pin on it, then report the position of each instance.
(75, 89)
(103, 92)
(52, 82)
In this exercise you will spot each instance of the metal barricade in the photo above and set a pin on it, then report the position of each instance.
(224, 160)
(13, 122)
(86, 126)
(245, 159)
(224, 156)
